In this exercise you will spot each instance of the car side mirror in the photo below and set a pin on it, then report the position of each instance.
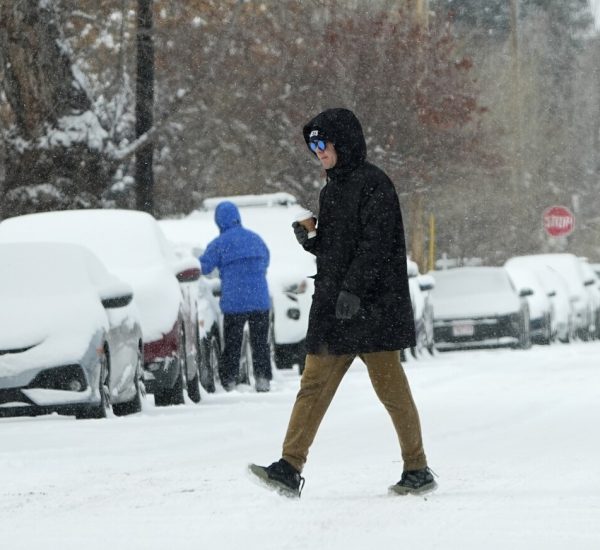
(117, 301)
(189, 275)
(187, 270)
(116, 293)
(525, 292)
(426, 282)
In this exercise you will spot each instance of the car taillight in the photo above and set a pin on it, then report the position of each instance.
(165, 347)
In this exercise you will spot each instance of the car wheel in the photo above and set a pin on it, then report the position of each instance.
(210, 356)
(546, 339)
(525, 336)
(193, 388)
(135, 405)
(287, 355)
(99, 410)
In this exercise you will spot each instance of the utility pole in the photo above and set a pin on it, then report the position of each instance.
(422, 12)
(419, 10)
(517, 122)
(144, 106)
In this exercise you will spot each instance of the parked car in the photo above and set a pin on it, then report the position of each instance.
(563, 323)
(479, 307)
(592, 286)
(569, 267)
(541, 311)
(133, 247)
(70, 338)
(420, 287)
(289, 273)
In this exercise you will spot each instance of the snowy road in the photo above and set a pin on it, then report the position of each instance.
(513, 436)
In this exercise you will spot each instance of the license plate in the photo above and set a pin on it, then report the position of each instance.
(463, 329)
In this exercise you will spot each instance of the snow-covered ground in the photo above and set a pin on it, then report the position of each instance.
(513, 436)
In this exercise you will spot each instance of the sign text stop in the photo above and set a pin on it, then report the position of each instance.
(558, 221)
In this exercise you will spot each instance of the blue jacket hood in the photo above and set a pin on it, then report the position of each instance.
(227, 216)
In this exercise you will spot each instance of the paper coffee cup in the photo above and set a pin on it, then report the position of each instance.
(307, 219)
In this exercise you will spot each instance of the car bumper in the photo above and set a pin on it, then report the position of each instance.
(37, 401)
(486, 332)
(504, 341)
(160, 374)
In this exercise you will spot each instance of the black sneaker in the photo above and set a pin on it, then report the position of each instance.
(280, 475)
(415, 482)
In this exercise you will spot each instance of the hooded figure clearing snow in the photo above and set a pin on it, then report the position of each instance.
(361, 304)
(242, 258)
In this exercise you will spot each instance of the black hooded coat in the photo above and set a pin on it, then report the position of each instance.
(360, 247)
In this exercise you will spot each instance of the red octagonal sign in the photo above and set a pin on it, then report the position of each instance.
(558, 221)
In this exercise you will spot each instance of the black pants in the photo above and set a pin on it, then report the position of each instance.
(258, 322)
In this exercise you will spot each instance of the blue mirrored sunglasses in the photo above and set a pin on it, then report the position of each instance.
(319, 144)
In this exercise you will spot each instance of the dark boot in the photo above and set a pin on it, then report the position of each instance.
(280, 475)
(415, 482)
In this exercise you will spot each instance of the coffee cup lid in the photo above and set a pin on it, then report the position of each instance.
(304, 215)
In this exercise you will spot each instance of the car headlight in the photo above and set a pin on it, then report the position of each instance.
(299, 288)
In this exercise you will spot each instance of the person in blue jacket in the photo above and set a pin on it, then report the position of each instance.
(242, 258)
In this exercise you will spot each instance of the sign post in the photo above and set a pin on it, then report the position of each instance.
(558, 221)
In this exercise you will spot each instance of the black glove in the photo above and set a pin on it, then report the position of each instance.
(300, 232)
(347, 305)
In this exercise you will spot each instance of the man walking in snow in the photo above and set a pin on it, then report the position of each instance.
(242, 258)
(361, 304)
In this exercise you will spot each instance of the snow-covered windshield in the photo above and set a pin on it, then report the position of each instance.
(468, 281)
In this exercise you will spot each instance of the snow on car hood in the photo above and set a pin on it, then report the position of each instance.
(480, 305)
(57, 329)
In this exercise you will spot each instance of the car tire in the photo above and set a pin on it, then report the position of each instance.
(546, 339)
(210, 357)
(287, 355)
(525, 335)
(99, 410)
(193, 388)
(134, 405)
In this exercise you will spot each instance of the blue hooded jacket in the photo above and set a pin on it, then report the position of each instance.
(242, 258)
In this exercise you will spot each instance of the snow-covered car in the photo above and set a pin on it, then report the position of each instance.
(70, 338)
(479, 307)
(563, 324)
(420, 287)
(290, 270)
(569, 267)
(541, 311)
(592, 286)
(132, 246)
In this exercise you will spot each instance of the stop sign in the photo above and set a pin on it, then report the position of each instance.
(558, 221)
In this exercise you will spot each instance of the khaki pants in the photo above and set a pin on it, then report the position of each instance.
(320, 380)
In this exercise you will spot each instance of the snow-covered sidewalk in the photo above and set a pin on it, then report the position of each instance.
(511, 434)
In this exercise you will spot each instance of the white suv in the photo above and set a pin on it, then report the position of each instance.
(290, 271)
